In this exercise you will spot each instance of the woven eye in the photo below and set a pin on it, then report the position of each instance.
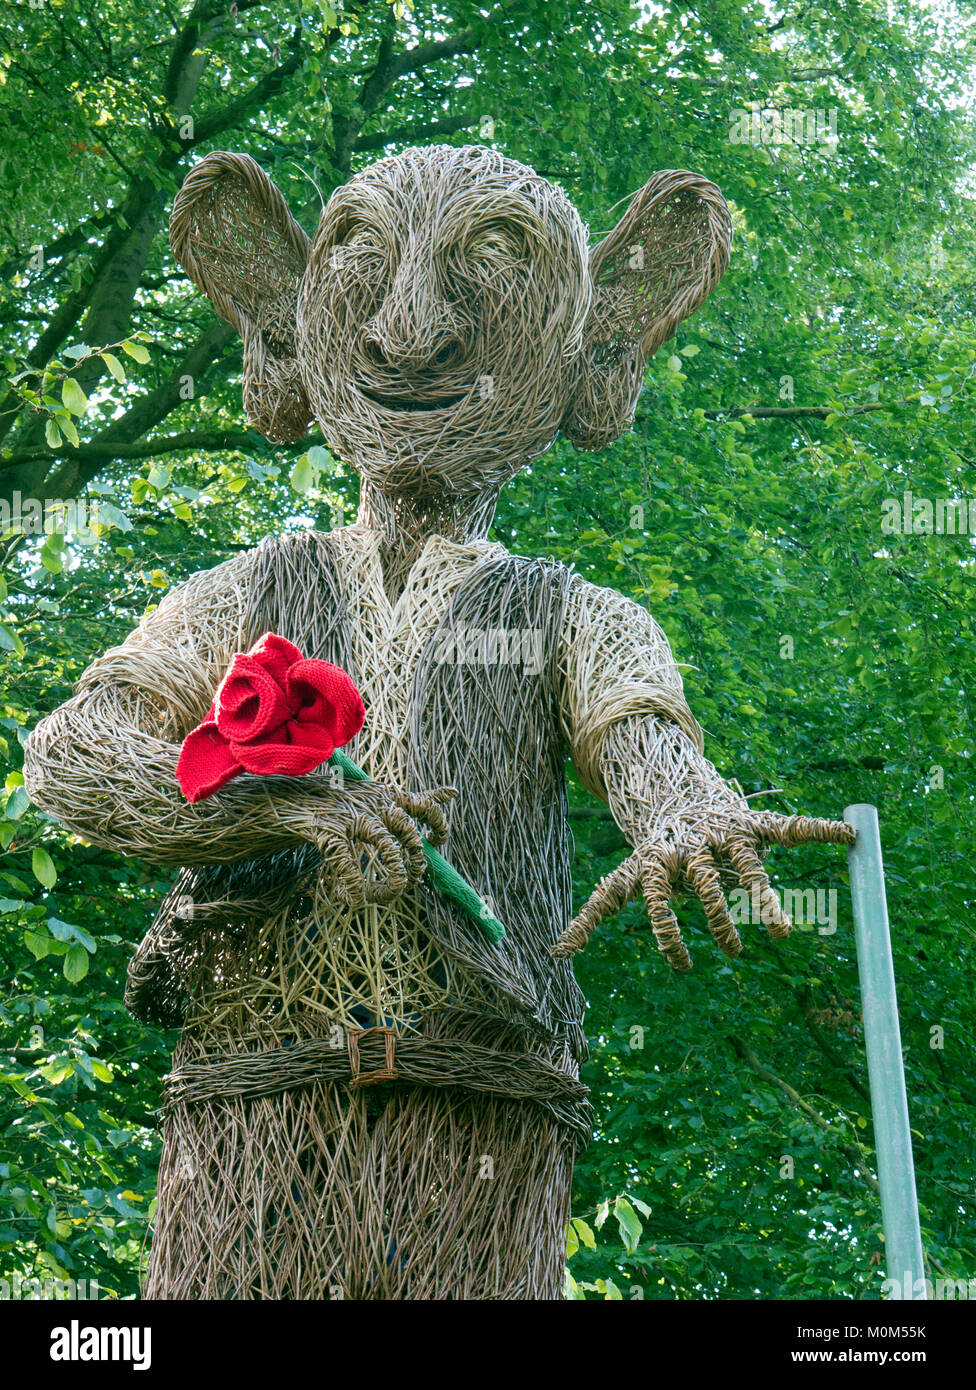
(491, 245)
(358, 236)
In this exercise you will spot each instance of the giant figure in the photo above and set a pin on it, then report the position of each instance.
(368, 1098)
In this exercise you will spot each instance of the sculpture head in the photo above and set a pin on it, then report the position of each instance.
(448, 318)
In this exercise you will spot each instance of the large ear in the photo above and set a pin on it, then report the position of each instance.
(664, 257)
(232, 233)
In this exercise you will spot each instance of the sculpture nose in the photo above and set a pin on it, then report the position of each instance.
(415, 327)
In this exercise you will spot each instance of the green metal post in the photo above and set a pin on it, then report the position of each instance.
(886, 1072)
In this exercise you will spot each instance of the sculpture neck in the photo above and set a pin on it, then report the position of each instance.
(407, 523)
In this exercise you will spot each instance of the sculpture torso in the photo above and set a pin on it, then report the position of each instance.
(461, 680)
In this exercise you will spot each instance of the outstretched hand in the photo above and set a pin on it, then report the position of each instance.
(689, 860)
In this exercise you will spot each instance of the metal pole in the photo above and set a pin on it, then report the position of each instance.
(886, 1071)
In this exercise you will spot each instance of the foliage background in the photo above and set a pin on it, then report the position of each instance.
(832, 369)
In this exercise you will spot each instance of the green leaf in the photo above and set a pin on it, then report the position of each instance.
(136, 351)
(67, 427)
(73, 396)
(42, 866)
(17, 803)
(585, 1233)
(110, 515)
(76, 964)
(52, 434)
(38, 943)
(78, 351)
(114, 365)
(122, 1206)
(9, 641)
(67, 931)
(50, 554)
(629, 1223)
(302, 476)
(57, 1071)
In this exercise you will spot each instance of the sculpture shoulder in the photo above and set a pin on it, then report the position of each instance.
(600, 607)
(542, 565)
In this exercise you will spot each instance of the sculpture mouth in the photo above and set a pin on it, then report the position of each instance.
(403, 405)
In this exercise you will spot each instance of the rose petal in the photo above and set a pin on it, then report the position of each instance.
(288, 752)
(327, 695)
(276, 654)
(206, 763)
(251, 701)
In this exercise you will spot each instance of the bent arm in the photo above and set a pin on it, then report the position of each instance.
(104, 763)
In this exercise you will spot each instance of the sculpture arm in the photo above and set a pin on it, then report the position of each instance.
(104, 762)
(692, 832)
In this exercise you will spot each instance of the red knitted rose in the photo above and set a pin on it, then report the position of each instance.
(275, 712)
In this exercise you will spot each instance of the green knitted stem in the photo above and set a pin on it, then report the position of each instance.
(440, 872)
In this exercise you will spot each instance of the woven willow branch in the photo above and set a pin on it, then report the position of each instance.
(369, 1100)
(662, 260)
(251, 280)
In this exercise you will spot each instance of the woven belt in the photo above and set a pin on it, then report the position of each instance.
(378, 1055)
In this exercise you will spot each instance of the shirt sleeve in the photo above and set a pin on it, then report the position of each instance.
(178, 655)
(104, 762)
(616, 663)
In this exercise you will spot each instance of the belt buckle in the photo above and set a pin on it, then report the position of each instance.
(389, 1072)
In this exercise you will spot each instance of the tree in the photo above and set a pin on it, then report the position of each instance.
(829, 375)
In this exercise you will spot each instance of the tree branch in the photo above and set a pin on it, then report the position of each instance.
(203, 440)
(212, 123)
(855, 1154)
(25, 468)
(431, 130)
(792, 412)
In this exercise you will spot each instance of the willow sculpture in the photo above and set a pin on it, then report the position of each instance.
(368, 1098)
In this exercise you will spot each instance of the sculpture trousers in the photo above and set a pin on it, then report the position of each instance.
(392, 1192)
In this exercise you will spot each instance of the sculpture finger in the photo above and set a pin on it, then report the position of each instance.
(342, 870)
(428, 808)
(754, 879)
(611, 894)
(704, 879)
(802, 830)
(657, 878)
(354, 881)
(385, 886)
(396, 820)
